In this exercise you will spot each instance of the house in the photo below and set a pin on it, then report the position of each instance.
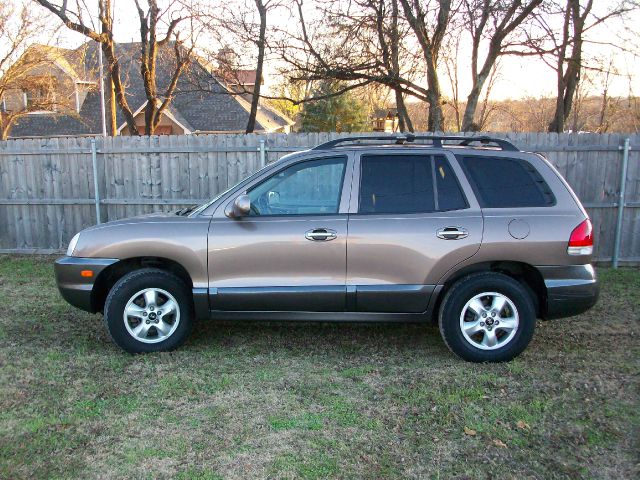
(203, 101)
(385, 120)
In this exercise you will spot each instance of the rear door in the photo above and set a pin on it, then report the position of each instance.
(412, 217)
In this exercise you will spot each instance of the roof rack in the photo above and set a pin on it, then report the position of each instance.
(435, 139)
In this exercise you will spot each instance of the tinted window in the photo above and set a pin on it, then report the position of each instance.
(507, 182)
(306, 188)
(396, 184)
(450, 196)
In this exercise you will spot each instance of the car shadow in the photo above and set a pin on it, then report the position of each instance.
(264, 337)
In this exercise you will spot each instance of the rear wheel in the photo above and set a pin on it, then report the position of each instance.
(487, 317)
(148, 310)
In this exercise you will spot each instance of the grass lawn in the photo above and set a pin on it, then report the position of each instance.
(252, 400)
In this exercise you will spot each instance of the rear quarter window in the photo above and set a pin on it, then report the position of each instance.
(500, 182)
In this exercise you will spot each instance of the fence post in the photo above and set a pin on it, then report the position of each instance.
(623, 184)
(263, 153)
(96, 189)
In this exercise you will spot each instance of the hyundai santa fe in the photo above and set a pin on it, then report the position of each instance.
(470, 232)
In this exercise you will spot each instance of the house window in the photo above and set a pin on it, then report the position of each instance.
(39, 94)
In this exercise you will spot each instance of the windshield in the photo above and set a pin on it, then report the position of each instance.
(199, 209)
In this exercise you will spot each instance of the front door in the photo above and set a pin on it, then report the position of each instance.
(289, 252)
(410, 221)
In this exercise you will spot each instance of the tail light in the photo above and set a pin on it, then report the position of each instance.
(581, 240)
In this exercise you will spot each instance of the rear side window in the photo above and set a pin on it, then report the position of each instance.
(507, 182)
(408, 184)
(450, 196)
(396, 184)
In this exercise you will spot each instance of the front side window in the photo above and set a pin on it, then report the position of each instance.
(308, 188)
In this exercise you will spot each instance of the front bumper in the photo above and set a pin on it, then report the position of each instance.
(571, 290)
(75, 288)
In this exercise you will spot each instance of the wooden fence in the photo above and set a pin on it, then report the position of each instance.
(48, 186)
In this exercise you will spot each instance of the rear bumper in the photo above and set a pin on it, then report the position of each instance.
(571, 290)
(75, 288)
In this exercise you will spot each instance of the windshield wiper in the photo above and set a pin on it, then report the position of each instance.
(186, 210)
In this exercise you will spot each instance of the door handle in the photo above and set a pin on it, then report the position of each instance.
(320, 234)
(452, 233)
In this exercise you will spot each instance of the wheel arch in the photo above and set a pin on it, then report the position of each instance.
(527, 275)
(110, 275)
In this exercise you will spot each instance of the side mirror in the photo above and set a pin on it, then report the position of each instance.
(240, 207)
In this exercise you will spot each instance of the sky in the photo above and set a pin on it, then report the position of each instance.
(518, 77)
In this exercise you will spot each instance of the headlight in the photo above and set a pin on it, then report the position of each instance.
(72, 245)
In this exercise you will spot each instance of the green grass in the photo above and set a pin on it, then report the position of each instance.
(276, 400)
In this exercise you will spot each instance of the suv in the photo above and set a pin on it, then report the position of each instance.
(466, 230)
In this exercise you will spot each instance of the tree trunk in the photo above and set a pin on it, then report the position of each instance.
(430, 45)
(121, 99)
(113, 119)
(557, 123)
(255, 98)
(470, 110)
(436, 118)
(568, 79)
(474, 96)
(404, 121)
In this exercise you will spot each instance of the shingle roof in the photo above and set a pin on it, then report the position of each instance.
(201, 99)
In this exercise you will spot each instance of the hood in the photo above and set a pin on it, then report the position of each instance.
(157, 217)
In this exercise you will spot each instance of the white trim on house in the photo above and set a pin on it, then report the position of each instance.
(42, 112)
(77, 95)
(168, 114)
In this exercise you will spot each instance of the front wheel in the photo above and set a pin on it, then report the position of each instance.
(148, 310)
(487, 317)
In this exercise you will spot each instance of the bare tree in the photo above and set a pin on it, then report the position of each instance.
(152, 18)
(24, 85)
(150, 45)
(355, 44)
(390, 38)
(563, 50)
(486, 106)
(450, 55)
(238, 42)
(261, 43)
(76, 21)
(496, 21)
(430, 35)
(569, 60)
(608, 104)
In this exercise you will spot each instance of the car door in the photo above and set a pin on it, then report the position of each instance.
(412, 218)
(289, 252)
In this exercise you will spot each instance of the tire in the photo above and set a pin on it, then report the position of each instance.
(469, 335)
(144, 293)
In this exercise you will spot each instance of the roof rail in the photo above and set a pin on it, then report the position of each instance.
(435, 139)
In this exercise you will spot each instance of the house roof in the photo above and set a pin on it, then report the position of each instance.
(201, 100)
(238, 77)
